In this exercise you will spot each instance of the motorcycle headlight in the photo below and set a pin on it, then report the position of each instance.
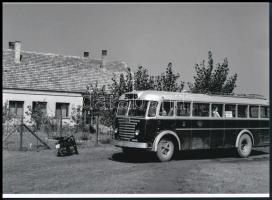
(137, 132)
(116, 130)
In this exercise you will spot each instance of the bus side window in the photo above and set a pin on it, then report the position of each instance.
(183, 108)
(253, 111)
(230, 110)
(201, 109)
(152, 108)
(264, 111)
(167, 108)
(217, 110)
(242, 111)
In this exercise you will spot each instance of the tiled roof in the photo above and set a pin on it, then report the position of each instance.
(40, 71)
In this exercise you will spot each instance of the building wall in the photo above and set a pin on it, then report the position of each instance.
(74, 99)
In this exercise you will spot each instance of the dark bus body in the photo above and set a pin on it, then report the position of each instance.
(194, 132)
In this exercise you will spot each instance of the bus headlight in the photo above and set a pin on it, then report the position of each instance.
(137, 132)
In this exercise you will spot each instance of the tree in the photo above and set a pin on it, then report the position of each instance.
(210, 80)
(37, 116)
(142, 80)
(168, 81)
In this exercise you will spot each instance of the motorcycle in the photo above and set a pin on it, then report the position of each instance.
(66, 146)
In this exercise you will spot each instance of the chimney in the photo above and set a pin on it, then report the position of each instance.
(16, 46)
(86, 54)
(104, 56)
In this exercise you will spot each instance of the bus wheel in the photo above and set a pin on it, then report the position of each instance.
(244, 146)
(165, 150)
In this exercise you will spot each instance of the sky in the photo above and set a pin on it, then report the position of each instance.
(151, 35)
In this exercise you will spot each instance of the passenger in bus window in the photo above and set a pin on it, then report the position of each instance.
(215, 112)
(181, 110)
(171, 111)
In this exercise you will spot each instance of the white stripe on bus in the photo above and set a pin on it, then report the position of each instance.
(217, 128)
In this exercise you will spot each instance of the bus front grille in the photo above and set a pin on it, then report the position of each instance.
(127, 128)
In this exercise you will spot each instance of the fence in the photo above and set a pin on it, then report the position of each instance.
(20, 136)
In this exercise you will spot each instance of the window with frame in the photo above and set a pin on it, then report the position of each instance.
(242, 111)
(16, 108)
(62, 110)
(264, 111)
(230, 110)
(137, 108)
(167, 108)
(253, 111)
(39, 106)
(183, 108)
(201, 109)
(217, 110)
(122, 108)
(152, 108)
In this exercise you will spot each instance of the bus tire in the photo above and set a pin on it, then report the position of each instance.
(165, 149)
(244, 146)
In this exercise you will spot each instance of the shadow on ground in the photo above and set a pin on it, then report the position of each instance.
(149, 157)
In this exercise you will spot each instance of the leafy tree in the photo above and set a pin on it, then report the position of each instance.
(168, 81)
(37, 117)
(210, 80)
(6, 116)
(142, 80)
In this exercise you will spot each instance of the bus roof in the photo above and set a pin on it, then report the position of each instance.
(152, 95)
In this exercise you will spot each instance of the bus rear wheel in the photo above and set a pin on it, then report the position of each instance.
(244, 146)
(165, 149)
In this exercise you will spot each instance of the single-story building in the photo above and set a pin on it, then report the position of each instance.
(54, 81)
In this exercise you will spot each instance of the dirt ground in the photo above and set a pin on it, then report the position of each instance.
(105, 170)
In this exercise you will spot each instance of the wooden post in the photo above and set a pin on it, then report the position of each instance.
(97, 126)
(21, 134)
(60, 122)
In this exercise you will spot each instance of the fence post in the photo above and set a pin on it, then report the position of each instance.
(21, 134)
(60, 124)
(97, 126)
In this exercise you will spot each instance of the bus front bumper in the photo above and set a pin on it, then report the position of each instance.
(139, 145)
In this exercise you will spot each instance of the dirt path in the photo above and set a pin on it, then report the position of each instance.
(106, 170)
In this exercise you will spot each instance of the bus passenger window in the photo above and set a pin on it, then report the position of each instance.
(229, 111)
(242, 111)
(217, 110)
(167, 108)
(152, 108)
(201, 109)
(253, 111)
(264, 112)
(183, 109)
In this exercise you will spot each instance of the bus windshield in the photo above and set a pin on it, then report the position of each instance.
(137, 108)
(122, 108)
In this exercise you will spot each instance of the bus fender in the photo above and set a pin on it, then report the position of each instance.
(160, 135)
(241, 133)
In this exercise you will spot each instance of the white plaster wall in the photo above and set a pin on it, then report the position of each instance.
(74, 99)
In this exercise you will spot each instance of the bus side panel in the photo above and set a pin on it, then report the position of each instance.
(183, 130)
(217, 133)
(151, 130)
(154, 127)
(260, 132)
(200, 134)
(231, 132)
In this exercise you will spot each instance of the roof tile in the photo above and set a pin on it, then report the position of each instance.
(40, 71)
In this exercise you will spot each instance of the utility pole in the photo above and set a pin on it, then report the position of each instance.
(97, 130)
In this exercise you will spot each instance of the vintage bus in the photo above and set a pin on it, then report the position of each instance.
(165, 122)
